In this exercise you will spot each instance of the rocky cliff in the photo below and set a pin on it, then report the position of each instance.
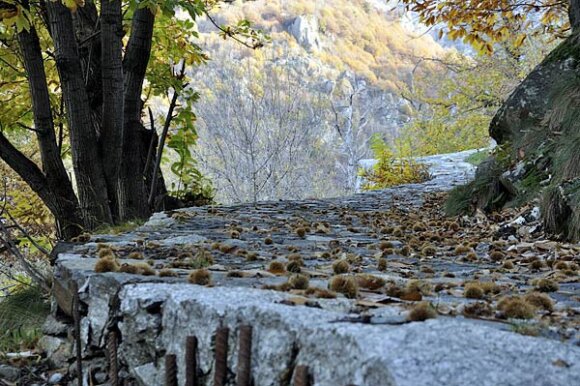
(320, 40)
(292, 119)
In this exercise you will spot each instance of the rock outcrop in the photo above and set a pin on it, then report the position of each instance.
(305, 31)
(527, 106)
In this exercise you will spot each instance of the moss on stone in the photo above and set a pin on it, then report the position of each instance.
(459, 200)
(487, 191)
(568, 49)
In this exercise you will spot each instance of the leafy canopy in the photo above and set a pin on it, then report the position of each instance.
(481, 23)
(174, 47)
(17, 13)
(452, 108)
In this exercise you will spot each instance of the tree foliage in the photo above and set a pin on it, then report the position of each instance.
(452, 108)
(483, 23)
(392, 168)
(93, 69)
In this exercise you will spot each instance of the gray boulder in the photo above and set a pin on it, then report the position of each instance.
(527, 106)
(9, 373)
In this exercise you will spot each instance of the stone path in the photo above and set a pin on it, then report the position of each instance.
(391, 260)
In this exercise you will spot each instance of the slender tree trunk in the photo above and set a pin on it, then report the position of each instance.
(133, 191)
(151, 173)
(574, 13)
(65, 203)
(86, 23)
(111, 139)
(90, 178)
(153, 188)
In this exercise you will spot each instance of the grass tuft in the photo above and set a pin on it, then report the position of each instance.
(22, 314)
(421, 312)
(346, 285)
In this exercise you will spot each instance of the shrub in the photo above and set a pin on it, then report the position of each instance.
(391, 169)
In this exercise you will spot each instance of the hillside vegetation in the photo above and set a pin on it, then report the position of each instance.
(294, 118)
(343, 72)
(342, 35)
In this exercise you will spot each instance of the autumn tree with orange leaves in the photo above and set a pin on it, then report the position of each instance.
(537, 127)
(483, 23)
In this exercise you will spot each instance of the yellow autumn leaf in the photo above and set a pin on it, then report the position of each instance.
(489, 48)
(16, 17)
(519, 40)
(73, 4)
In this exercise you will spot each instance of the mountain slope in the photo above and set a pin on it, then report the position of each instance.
(294, 118)
(367, 37)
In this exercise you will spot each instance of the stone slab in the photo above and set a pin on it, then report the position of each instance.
(155, 314)
(444, 351)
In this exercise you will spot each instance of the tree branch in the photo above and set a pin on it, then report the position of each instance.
(230, 34)
(166, 126)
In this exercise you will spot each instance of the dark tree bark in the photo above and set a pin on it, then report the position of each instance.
(61, 207)
(87, 30)
(101, 94)
(90, 178)
(574, 14)
(133, 190)
(150, 138)
(64, 202)
(161, 145)
(111, 139)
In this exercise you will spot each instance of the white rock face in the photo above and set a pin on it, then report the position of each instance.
(158, 220)
(305, 31)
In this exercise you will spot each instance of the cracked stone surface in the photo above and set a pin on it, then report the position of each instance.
(367, 339)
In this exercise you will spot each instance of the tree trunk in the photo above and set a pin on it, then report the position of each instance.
(62, 208)
(90, 179)
(133, 192)
(111, 139)
(151, 139)
(65, 205)
(87, 31)
(574, 14)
